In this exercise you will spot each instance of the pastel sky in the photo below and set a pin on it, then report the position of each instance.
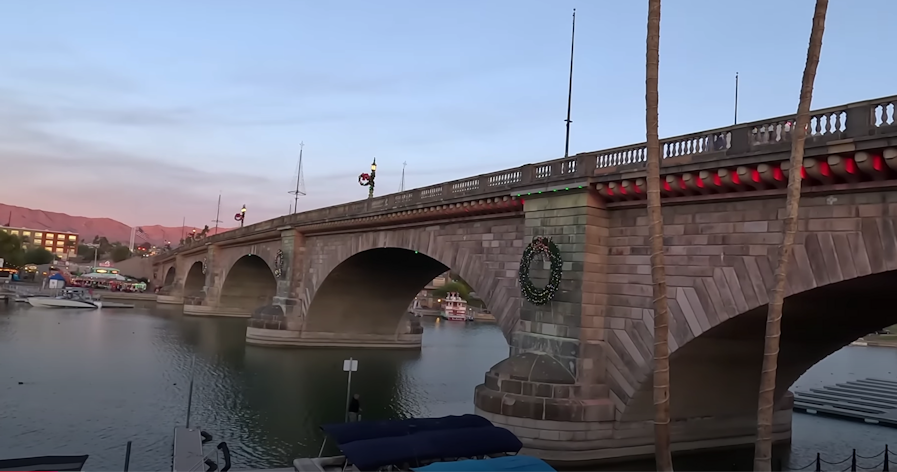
(143, 111)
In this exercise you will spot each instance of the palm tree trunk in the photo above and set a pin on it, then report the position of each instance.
(766, 398)
(662, 454)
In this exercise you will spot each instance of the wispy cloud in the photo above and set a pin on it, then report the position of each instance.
(103, 180)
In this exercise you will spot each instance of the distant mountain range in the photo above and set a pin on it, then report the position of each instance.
(87, 228)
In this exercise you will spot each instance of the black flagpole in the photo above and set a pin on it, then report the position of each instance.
(736, 98)
(570, 89)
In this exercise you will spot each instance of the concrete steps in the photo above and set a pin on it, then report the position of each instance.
(870, 400)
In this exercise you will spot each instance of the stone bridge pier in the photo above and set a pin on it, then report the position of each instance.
(576, 387)
(355, 308)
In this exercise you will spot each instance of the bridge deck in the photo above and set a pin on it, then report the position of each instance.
(870, 400)
(832, 130)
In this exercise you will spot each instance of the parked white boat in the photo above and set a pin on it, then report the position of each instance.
(73, 297)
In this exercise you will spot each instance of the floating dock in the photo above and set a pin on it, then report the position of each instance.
(870, 400)
(116, 305)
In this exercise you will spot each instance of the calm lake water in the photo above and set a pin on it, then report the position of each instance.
(94, 380)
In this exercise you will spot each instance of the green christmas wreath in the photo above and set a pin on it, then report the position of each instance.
(540, 296)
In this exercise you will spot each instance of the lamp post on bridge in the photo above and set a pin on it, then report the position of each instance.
(241, 216)
(367, 180)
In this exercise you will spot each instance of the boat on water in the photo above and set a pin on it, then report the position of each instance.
(405, 444)
(454, 308)
(45, 463)
(71, 297)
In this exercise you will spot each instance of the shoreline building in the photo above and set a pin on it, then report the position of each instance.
(63, 244)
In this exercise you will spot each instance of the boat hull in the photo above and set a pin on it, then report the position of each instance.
(46, 302)
(453, 316)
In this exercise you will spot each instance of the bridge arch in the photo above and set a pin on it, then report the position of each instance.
(170, 276)
(834, 296)
(195, 280)
(369, 291)
(249, 283)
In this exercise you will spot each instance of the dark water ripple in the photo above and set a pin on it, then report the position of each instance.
(94, 380)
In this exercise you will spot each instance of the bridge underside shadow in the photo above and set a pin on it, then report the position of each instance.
(363, 303)
(170, 276)
(718, 373)
(248, 284)
(190, 292)
(168, 293)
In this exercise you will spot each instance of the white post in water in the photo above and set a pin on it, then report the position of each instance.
(349, 365)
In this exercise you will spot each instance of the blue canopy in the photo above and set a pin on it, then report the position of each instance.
(372, 454)
(56, 276)
(498, 464)
(344, 433)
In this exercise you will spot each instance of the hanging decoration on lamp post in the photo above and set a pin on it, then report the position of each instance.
(367, 180)
(541, 246)
(241, 216)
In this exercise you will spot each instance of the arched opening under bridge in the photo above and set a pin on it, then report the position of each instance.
(371, 291)
(718, 372)
(195, 281)
(248, 285)
(170, 276)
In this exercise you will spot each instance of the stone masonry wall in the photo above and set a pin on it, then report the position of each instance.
(576, 222)
(486, 253)
(720, 259)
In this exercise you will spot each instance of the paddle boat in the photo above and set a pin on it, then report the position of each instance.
(404, 444)
(455, 308)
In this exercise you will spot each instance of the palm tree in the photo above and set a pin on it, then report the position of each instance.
(662, 455)
(766, 397)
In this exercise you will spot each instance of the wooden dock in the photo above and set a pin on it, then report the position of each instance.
(870, 400)
(187, 454)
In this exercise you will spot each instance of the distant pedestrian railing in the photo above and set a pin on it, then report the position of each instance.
(854, 462)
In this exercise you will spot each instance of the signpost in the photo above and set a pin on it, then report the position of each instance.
(349, 365)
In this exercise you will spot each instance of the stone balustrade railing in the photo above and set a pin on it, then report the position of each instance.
(855, 120)
(865, 119)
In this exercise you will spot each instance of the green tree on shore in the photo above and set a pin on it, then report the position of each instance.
(37, 255)
(453, 286)
(120, 253)
(465, 291)
(84, 251)
(11, 250)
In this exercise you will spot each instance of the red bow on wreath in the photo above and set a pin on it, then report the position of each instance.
(364, 179)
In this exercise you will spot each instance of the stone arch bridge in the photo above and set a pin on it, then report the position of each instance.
(576, 386)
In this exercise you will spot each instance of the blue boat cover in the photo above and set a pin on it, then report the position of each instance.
(372, 454)
(344, 433)
(498, 464)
